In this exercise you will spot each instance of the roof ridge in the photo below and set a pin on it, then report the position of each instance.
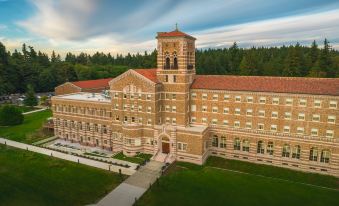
(278, 77)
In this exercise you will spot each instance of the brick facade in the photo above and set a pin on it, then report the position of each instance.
(164, 110)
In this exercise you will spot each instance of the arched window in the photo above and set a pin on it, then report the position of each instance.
(215, 141)
(286, 150)
(314, 154)
(245, 145)
(325, 156)
(269, 148)
(167, 61)
(175, 60)
(260, 147)
(236, 145)
(296, 152)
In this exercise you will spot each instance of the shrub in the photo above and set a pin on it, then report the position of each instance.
(10, 115)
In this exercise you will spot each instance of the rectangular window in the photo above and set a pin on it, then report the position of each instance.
(193, 108)
(262, 100)
(289, 101)
(167, 108)
(236, 124)
(249, 99)
(193, 120)
(215, 97)
(116, 95)
(274, 128)
(331, 119)
(215, 141)
(260, 126)
(174, 108)
(166, 78)
(149, 109)
(194, 95)
(139, 108)
(237, 111)
(316, 118)
(204, 96)
(238, 98)
(248, 125)
(274, 115)
(214, 109)
(300, 130)
(148, 97)
(314, 132)
(333, 105)
(301, 116)
(226, 110)
(287, 115)
(174, 121)
(174, 78)
(287, 129)
(317, 103)
(204, 120)
(214, 121)
(223, 142)
(174, 96)
(329, 133)
(261, 113)
(204, 108)
(149, 121)
(226, 97)
(249, 112)
(302, 102)
(275, 100)
(225, 122)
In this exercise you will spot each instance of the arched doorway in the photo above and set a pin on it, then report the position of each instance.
(165, 145)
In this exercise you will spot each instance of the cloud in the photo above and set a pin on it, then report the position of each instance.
(273, 32)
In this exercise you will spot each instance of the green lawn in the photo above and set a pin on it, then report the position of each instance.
(28, 178)
(139, 158)
(24, 109)
(25, 131)
(187, 184)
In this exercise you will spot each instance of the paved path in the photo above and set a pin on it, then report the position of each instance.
(38, 110)
(68, 157)
(133, 187)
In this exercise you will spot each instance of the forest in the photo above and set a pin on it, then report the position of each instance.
(19, 69)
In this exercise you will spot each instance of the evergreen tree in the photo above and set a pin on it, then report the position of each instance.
(30, 99)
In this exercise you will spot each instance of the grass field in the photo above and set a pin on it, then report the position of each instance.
(139, 158)
(187, 184)
(25, 131)
(24, 109)
(28, 178)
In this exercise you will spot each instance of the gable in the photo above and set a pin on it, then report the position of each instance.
(132, 80)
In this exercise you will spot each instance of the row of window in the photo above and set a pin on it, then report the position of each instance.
(273, 127)
(132, 96)
(262, 113)
(83, 110)
(133, 108)
(261, 148)
(263, 100)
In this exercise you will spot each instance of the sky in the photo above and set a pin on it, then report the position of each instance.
(121, 26)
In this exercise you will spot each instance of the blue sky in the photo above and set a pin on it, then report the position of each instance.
(131, 25)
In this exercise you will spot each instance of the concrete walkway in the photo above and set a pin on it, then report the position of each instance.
(133, 187)
(81, 160)
(38, 110)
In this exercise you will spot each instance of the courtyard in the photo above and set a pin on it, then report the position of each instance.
(229, 182)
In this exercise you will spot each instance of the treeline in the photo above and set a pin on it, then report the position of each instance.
(43, 72)
(294, 60)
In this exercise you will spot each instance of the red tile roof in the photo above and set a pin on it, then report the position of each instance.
(297, 85)
(97, 83)
(175, 33)
(150, 74)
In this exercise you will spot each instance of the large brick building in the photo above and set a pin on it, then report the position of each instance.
(171, 111)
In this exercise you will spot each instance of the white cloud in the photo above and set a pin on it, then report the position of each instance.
(303, 28)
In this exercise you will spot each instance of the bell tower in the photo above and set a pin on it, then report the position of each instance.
(176, 71)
